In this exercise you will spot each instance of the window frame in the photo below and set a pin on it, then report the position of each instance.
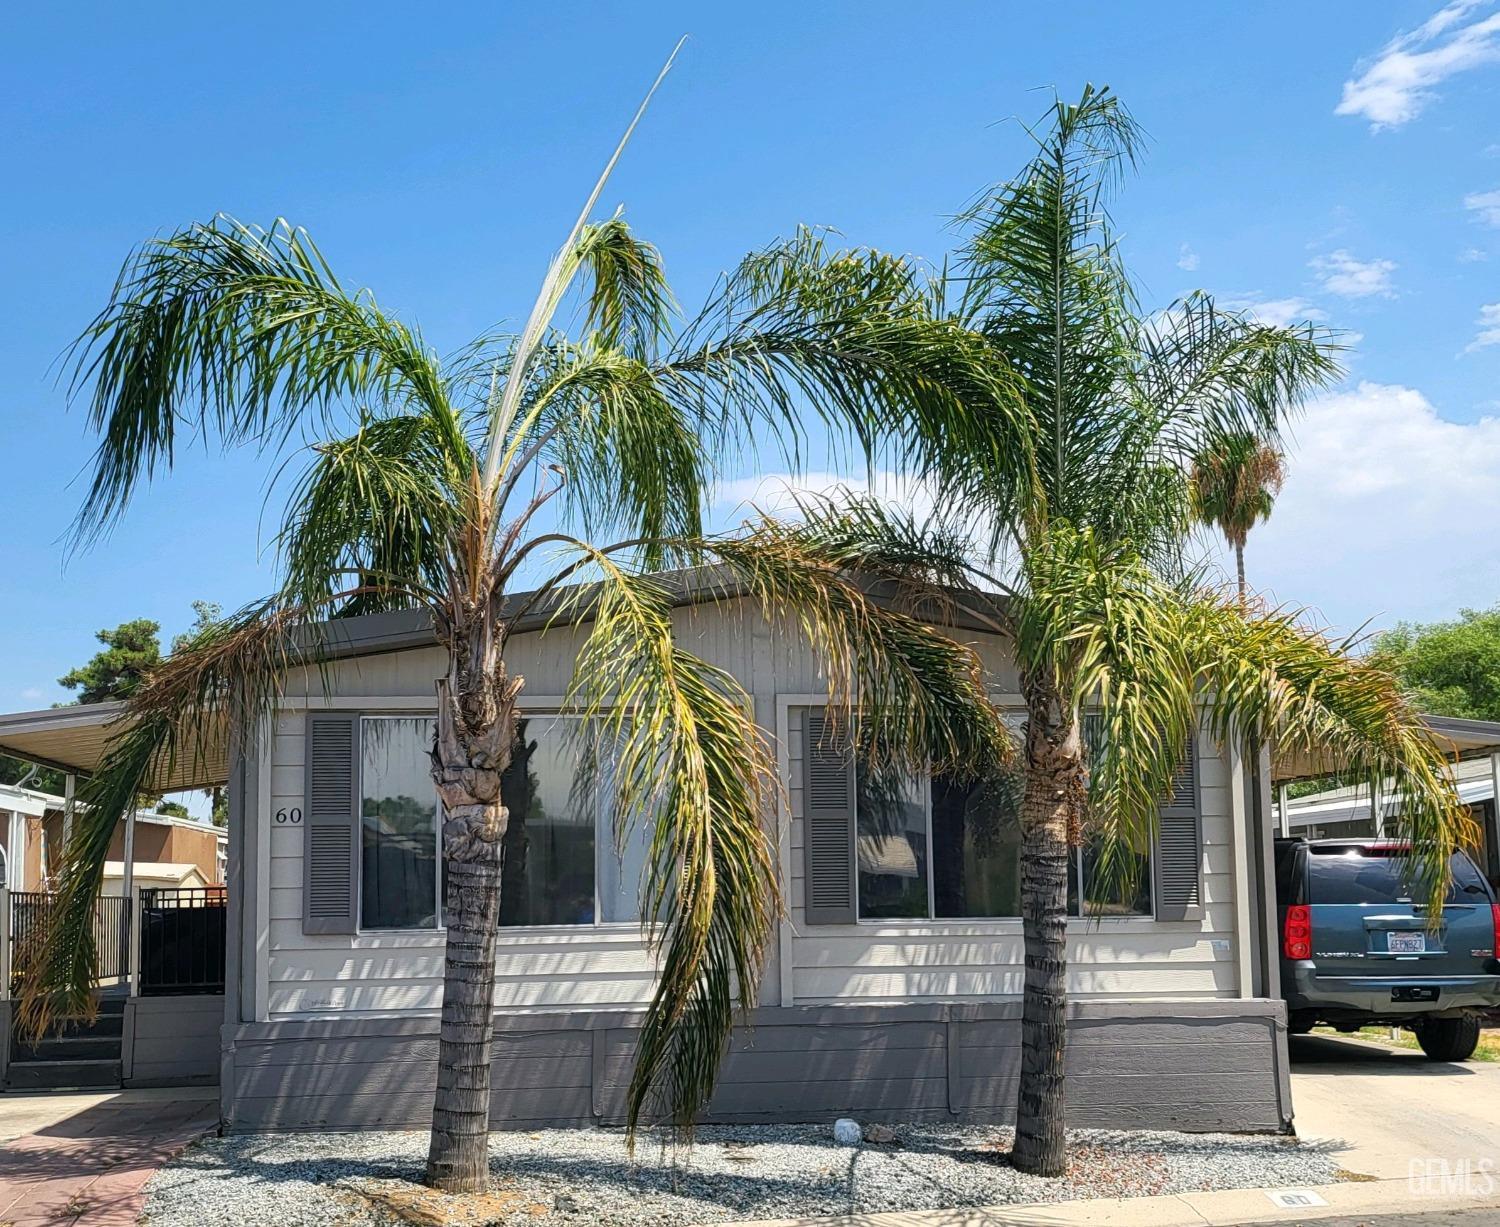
(1077, 864)
(440, 929)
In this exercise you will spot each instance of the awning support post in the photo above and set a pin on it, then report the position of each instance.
(1283, 815)
(132, 906)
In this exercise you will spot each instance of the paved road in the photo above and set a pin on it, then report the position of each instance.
(1395, 1114)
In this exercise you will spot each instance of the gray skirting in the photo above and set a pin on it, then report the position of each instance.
(172, 1041)
(1198, 1066)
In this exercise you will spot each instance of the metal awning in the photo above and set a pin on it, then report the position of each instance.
(76, 738)
(1458, 738)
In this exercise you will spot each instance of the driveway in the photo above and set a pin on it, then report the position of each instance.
(71, 1159)
(1392, 1114)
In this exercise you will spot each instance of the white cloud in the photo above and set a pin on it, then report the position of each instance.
(33, 694)
(1187, 259)
(1387, 511)
(1276, 312)
(1473, 255)
(1340, 273)
(1392, 88)
(1485, 206)
(1489, 328)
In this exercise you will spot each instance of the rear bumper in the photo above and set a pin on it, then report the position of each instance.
(1306, 990)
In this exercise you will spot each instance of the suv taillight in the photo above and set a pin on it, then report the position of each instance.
(1296, 932)
(1495, 926)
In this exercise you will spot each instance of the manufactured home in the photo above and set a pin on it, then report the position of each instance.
(892, 988)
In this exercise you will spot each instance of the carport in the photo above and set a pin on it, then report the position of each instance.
(162, 1006)
(1359, 810)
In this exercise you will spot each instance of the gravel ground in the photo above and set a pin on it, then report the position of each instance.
(580, 1177)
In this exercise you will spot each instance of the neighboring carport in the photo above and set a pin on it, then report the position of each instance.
(154, 1028)
(1359, 809)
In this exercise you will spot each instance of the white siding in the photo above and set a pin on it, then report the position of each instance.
(609, 966)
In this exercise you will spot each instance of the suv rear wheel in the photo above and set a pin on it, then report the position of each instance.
(1448, 1039)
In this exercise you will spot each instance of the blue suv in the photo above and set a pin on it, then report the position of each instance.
(1356, 948)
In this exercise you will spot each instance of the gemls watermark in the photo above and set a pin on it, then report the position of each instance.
(1450, 1177)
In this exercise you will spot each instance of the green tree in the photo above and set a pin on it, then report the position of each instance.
(43, 779)
(173, 809)
(131, 650)
(1235, 481)
(433, 499)
(1084, 523)
(1448, 668)
(205, 615)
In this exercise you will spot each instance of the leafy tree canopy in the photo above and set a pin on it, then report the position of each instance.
(1448, 668)
(130, 651)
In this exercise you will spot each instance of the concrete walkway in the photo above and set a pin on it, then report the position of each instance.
(84, 1158)
(1364, 1203)
(1392, 1113)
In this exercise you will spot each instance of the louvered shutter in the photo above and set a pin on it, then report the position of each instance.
(827, 822)
(1179, 844)
(330, 863)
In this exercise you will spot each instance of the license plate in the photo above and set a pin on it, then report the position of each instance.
(1406, 943)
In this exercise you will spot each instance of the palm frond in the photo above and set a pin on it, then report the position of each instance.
(630, 305)
(1096, 620)
(224, 680)
(851, 342)
(57, 980)
(688, 760)
(237, 332)
(1234, 482)
(386, 503)
(1205, 375)
(503, 438)
(1269, 677)
(632, 458)
(913, 694)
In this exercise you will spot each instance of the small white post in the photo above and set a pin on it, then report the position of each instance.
(1492, 836)
(70, 786)
(1376, 811)
(1283, 814)
(132, 905)
(5, 940)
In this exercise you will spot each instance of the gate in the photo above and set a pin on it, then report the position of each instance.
(31, 911)
(182, 940)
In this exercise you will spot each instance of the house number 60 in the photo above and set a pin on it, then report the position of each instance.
(293, 815)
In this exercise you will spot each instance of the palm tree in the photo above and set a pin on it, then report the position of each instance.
(1083, 545)
(1235, 481)
(427, 490)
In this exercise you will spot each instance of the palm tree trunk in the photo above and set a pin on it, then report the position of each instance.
(1050, 808)
(1239, 566)
(475, 733)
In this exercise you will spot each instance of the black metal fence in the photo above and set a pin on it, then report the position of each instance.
(32, 911)
(182, 940)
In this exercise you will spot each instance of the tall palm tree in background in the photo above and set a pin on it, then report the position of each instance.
(436, 484)
(1084, 546)
(1235, 481)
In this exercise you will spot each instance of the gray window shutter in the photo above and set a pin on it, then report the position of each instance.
(827, 821)
(330, 862)
(1179, 844)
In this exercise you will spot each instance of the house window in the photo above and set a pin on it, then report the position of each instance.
(398, 824)
(945, 850)
(560, 865)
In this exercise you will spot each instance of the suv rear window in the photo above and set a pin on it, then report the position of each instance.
(1379, 875)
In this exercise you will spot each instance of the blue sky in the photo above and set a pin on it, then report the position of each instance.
(1338, 161)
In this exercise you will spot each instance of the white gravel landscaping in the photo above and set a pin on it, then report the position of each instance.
(577, 1177)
